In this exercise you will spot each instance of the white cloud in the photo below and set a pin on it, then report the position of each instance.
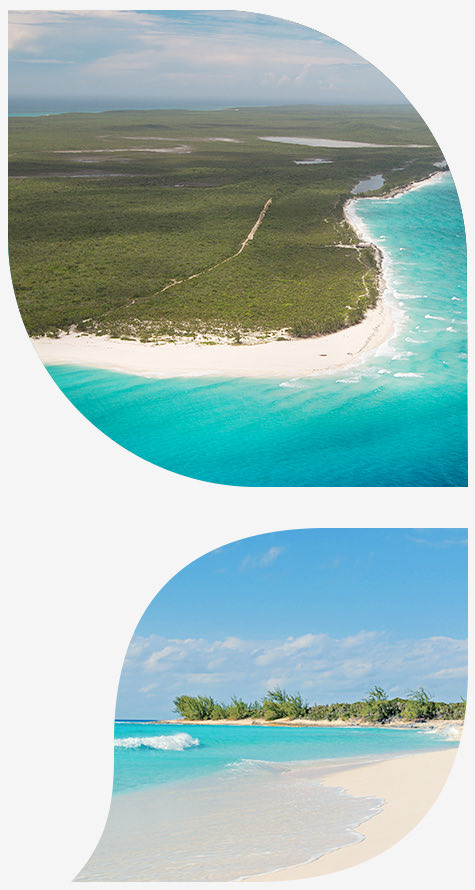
(153, 662)
(261, 560)
(270, 556)
(442, 544)
(323, 668)
(121, 52)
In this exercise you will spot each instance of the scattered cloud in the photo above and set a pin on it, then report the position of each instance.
(323, 668)
(261, 560)
(158, 53)
(445, 542)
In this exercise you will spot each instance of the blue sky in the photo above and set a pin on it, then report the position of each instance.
(62, 59)
(328, 613)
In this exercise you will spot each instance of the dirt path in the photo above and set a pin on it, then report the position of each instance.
(246, 241)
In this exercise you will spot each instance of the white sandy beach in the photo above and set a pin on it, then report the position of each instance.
(409, 786)
(281, 358)
(286, 358)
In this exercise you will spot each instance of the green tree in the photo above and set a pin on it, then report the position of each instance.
(219, 712)
(238, 709)
(194, 708)
(278, 704)
(420, 706)
(377, 707)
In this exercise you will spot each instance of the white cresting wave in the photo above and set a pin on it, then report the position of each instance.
(177, 742)
(445, 734)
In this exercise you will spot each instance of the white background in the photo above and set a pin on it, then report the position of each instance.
(92, 532)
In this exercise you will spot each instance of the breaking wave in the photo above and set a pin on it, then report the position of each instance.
(177, 742)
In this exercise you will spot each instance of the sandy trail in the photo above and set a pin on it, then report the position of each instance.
(246, 241)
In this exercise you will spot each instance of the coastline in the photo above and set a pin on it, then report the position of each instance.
(452, 728)
(409, 786)
(273, 358)
(308, 816)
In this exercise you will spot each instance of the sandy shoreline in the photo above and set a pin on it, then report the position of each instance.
(276, 358)
(286, 358)
(409, 786)
(453, 728)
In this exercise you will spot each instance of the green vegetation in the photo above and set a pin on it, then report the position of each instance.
(97, 231)
(198, 708)
(278, 704)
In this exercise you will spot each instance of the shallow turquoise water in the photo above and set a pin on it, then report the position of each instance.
(210, 803)
(147, 755)
(397, 419)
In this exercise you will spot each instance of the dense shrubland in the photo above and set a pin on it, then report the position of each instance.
(278, 704)
(95, 236)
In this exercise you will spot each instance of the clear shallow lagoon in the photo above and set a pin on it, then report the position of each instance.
(399, 418)
(220, 802)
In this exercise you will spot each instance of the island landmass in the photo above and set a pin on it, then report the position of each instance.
(186, 228)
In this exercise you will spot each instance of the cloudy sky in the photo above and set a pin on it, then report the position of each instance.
(83, 60)
(328, 613)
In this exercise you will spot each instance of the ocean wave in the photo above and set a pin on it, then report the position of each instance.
(177, 742)
(408, 374)
(410, 340)
(249, 765)
(295, 383)
(435, 317)
(349, 379)
(411, 296)
(445, 734)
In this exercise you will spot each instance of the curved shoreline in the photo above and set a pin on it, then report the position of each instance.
(409, 786)
(282, 359)
(287, 358)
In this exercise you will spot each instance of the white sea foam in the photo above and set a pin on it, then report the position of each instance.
(248, 765)
(408, 374)
(410, 340)
(295, 383)
(435, 317)
(411, 296)
(264, 825)
(445, 734)
(177, 742)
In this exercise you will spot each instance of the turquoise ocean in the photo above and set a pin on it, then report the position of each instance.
(220, 802)
(398, 418)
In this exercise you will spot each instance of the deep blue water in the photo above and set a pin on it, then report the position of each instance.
(397, 419)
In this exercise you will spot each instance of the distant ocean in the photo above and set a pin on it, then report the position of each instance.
(220, 802)
(399, 418)
(18, 109)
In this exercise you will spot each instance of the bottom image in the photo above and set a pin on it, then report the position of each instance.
(290, 705)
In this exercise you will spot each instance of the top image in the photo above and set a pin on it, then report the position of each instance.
(237, 248)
